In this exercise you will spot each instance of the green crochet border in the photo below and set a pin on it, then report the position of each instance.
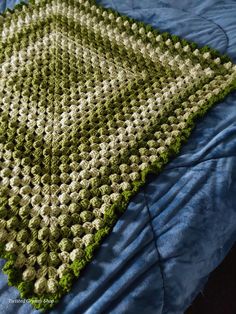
(14, 275)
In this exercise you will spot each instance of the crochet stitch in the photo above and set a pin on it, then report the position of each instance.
(91, 102)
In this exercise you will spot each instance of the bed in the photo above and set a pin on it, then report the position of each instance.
(181, 224)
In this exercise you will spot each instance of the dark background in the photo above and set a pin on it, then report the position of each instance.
(219, 295)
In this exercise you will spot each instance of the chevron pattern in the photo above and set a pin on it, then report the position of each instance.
(91, 102)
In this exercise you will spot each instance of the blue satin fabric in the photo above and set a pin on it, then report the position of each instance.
(181, 225)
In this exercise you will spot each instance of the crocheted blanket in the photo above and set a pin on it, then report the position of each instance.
(91, 102)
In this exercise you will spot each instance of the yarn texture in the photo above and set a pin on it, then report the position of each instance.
(90, 103)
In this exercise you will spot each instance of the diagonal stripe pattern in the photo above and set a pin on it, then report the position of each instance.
(91, 102)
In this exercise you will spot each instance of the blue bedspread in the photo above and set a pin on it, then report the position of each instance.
(182, 223)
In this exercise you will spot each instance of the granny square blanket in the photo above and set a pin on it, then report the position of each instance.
(90, 103)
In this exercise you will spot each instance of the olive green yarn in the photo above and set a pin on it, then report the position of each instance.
(91, 103)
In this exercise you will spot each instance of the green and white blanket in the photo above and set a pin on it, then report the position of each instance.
(91, 102)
